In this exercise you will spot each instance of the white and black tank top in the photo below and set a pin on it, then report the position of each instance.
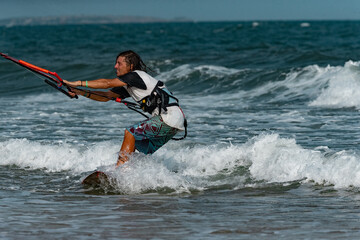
(140, 85)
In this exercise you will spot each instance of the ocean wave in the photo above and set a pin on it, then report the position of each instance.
(266, 158)
(342, 88)
(313, 85)
(56, 157)
(327, 87)
(202, 79)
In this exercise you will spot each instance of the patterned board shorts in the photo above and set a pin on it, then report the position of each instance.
(151, 134)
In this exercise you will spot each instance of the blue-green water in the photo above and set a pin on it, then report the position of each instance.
(273, 142)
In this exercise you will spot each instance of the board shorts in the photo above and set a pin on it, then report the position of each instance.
(151, 134)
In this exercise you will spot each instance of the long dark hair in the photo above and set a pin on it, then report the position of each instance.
(132, 58)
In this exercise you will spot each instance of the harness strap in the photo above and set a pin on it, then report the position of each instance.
(185, 134)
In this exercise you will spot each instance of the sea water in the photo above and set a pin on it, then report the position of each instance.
(272, 150)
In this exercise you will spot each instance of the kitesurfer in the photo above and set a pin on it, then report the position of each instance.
(133, 80)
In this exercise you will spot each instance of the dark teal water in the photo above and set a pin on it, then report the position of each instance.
(272, 150)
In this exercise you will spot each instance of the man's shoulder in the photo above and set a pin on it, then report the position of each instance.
(134, 79)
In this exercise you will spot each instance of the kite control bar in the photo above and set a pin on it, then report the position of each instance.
(55, 80)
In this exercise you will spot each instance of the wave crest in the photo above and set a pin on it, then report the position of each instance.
(267, 157)
(343, 87)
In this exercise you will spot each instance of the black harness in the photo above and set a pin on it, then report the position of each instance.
(160, 98)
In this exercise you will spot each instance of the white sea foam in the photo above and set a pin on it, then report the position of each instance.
(56, 157)
(330, 86)
(277, 159)
(305, 24)
(343, 88)
(267, 157)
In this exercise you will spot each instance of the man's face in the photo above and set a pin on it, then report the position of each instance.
(121, 66)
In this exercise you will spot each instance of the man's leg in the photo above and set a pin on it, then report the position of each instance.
(127, 147)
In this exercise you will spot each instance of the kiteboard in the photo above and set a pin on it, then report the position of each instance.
(96, 179)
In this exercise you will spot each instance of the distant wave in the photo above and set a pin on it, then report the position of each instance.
(81, 20)
(330, 86)
(342, 88)
(202, 78)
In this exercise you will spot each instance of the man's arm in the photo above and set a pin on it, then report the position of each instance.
(101, 83)
(95, 95)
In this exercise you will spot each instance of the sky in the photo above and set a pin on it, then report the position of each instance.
(197, 10)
